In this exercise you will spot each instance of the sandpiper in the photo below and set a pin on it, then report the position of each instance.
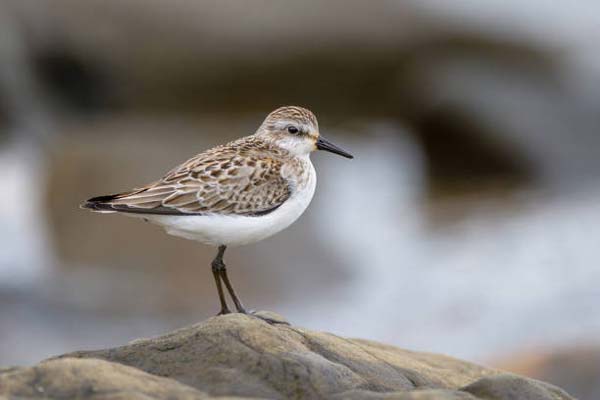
(233, 194)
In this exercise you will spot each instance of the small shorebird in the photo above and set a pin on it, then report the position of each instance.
(233, 194)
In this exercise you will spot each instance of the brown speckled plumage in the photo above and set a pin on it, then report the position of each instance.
(249, 176)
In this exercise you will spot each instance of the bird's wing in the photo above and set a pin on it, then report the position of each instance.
(225, 180)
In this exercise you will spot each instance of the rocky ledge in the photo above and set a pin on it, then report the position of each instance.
(237, 356)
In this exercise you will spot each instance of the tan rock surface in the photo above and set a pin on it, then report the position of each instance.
(238, 355)
(70, 378)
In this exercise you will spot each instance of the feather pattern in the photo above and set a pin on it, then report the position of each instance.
(249, 176)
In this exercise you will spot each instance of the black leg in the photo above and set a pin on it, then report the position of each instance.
(236, 300)
(217, 265)
(223, 273)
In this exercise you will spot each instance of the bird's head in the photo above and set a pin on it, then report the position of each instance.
(296, 129)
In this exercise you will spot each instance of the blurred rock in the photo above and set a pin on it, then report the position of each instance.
(499, 105)
(346, 60)
(576, 369)
(238, 355)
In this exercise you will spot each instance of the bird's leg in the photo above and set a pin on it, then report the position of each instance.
(217, 266)
(220, 272)
(223, 272)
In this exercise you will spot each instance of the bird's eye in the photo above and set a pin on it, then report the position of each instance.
(292, 129)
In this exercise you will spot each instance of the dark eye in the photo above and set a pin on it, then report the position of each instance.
(292, 129)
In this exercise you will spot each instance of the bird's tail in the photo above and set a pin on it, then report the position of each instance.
(100, 204)
(105, 204)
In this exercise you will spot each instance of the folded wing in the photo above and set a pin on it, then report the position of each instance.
(217, 182)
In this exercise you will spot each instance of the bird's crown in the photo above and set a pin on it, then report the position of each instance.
(296, 114)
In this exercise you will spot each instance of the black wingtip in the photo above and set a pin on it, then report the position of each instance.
(95, 206)
(98, 203)
(101, 199)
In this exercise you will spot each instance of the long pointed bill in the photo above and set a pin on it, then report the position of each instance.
(323, 144)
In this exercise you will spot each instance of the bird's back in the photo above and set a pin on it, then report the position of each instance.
(248, 176)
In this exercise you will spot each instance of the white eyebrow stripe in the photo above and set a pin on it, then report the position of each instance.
(285, 123)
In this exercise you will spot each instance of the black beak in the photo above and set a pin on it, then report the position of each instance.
(323, 144)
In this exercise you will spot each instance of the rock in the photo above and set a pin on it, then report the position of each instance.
(575, 368)
(239, 355)
(70, 378)
(507, 386)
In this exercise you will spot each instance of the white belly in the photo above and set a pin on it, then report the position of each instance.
(238, 230)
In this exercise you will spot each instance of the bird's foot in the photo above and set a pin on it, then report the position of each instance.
(224, 311)
(267, 316)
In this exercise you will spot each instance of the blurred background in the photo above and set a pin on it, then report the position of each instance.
(467, 224)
